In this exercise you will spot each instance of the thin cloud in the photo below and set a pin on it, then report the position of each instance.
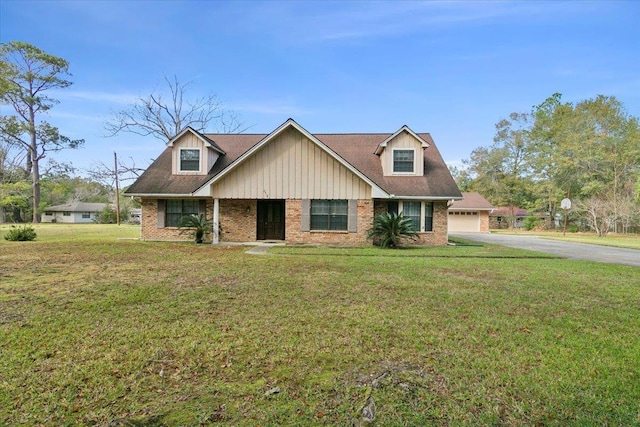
(110, 97)
(304, 23)
(271, 108)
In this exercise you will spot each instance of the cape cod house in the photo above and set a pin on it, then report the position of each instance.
(295, 186)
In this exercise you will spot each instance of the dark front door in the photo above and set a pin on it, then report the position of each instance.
(270, 220)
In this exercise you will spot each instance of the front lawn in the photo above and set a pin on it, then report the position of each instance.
(108, 332)
(629, 241)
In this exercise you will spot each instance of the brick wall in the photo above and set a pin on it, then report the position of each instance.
(293, 233)
(149, 224)
(439, 235)
(238, 223)
(484, 221)
(238, 220)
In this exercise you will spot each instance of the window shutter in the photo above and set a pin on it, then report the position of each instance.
(202, 208)
(353, 216)
(161, 207)
(306, 215)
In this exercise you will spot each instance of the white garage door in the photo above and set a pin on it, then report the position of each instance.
(464, 222)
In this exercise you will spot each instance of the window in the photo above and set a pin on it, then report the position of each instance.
(403, 161)
(177, 208)
(411, 210)
(414, 211)
(190, 160)
(86, 215)
(48, 213)
(66, 213)
(329, 214)
(428, 216)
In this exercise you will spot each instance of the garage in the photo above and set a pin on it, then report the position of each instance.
(469, 215)
(464, 222)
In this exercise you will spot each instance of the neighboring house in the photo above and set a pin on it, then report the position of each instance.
(471, 214)
(294, 186)
(507, 217)
(78, 212)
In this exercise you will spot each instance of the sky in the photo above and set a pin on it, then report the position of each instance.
(453, 69)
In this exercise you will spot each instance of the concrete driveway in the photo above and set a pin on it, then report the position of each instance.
(556, 247)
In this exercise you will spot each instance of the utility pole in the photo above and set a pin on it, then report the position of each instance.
(115, 159)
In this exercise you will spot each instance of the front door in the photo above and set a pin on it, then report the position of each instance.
(270, 220)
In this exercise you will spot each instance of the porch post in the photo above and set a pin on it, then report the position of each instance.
(216, 215)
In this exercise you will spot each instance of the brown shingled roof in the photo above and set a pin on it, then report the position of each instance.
(471, 201)
(358, 150)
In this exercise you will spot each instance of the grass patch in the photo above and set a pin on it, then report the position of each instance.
(100, 331)
(459, 248)
(628, 241)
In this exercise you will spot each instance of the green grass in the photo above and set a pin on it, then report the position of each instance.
(629, 241)
(108, 332)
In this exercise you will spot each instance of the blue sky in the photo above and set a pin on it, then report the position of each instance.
(453, 69)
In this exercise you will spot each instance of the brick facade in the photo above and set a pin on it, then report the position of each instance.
(149, 224)
(484, 221)
(238, 223)
(439, 235)
(238, 220)
(293, 225)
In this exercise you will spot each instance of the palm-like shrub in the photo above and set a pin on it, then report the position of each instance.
(199, 226)
(389, 230)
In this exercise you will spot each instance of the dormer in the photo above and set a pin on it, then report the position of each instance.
(402, 154)
(193, 153)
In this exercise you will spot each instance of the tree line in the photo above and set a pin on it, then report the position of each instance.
(27, 185)
(587, 151)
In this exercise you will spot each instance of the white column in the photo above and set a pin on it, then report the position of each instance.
(216, 219)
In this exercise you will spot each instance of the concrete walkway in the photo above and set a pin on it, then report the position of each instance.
(570, 250)
(261, 247)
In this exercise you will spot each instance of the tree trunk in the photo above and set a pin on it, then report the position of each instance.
(36, 191)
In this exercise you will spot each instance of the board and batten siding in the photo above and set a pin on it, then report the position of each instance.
(291, 167)
(189, 140)
(404, 140)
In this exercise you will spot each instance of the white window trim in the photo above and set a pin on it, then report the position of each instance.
(393, 156)
(423, 208)
(199, 160)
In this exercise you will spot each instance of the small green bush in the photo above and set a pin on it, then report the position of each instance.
(530, 222)
(572, 228)
(20, 234)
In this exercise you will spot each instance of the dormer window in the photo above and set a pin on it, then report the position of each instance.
(403, 161)
(189, 160)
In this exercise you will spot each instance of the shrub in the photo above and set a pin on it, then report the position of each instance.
(199, 226)
(108, 215)
(530, 222)
(21, 234)
(390, 229)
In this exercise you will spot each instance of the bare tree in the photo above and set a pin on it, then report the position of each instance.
(165, 118)
(599, 213)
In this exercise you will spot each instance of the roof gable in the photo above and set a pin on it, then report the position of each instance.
(404, 128)
(205, 141)
(292, 124)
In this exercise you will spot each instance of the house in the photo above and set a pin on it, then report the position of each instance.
(507, 217)
(471, 214)
(295, 186)
(77, 212)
